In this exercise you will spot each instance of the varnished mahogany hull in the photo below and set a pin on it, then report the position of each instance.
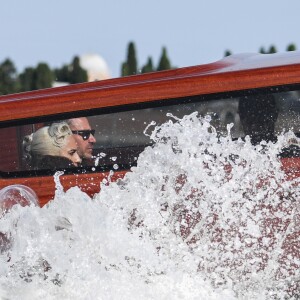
(248, 71)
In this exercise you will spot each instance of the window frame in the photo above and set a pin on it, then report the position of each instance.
(126, 108)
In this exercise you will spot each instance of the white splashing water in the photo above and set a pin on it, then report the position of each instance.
(200, 217)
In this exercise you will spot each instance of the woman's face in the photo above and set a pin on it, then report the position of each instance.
(69, 150)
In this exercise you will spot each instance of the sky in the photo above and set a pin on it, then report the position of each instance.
(193, 31)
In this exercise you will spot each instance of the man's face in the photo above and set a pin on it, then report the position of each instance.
(85, 141)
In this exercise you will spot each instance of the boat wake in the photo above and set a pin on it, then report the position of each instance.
(201, 216)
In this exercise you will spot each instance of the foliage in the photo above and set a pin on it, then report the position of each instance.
(62, 74)
(227, 53)
(129, 67)
(44, 76)
(41, 76)
(262, 50)
(27, 79)
(8, 77)
(272, 49)
(124, 69)
(291, 47)
(164, 62)
(131, 59)
(77, 74)
(37, 78)
(148, 67)
(72, 73)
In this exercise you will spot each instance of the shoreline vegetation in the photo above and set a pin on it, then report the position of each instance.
(42, 76)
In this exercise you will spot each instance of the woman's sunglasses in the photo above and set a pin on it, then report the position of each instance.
(85, 134)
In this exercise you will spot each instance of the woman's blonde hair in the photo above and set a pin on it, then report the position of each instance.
(47, 140)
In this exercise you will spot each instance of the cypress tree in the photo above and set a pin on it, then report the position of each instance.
(148, 67)
(262, 50)
(8, 78)
(164, 63)
(131, 59)
(124, 69)
(291, 47)
(272, 49)
(77, 74)
(227, 53)
(130, 66)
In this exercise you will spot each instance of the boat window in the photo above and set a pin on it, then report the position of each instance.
(119, 136)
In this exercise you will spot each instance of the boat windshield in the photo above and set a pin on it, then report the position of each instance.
(120, 135)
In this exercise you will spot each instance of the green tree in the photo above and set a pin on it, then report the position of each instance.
(131, 59)
(227, 53)
(164, 62)
(262, 50)
(27, 80)
(272, 49)
(37, 78)
(62, 74)
(130, 66)
(77, 74)
(8, 78)
(44, 77)
(148, 67)
(291, 47)
(124, 69)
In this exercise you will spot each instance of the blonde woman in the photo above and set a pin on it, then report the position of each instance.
(51, 147)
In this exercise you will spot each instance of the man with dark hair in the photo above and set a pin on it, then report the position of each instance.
(258, 114)
(84, 137)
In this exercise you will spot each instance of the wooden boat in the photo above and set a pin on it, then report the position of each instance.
(121, 108)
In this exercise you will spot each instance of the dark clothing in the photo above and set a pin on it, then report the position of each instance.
(258, 138)
(87, 162)
(50, 162)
